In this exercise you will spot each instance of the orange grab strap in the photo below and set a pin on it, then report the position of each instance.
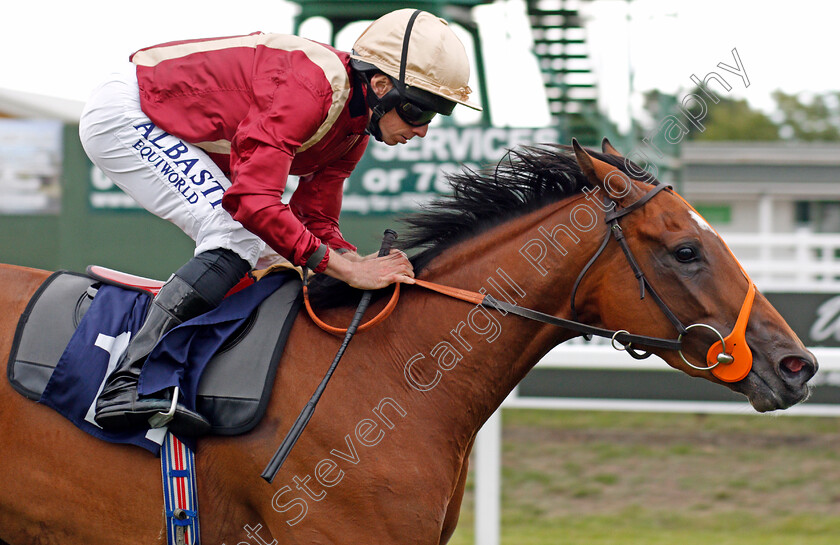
(464, 295)
(384, 313)
(457, 293)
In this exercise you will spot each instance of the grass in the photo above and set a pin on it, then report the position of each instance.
(574, 478)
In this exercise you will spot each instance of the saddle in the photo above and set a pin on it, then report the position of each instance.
(235, 386)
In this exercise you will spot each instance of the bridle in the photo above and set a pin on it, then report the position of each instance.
(731, 371)
(729, 366)
(614, 229)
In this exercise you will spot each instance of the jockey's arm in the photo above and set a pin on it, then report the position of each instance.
(254, 201)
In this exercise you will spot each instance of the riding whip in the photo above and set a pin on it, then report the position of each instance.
(297, 428)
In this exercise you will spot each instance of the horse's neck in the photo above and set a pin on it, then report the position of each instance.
(477, 354)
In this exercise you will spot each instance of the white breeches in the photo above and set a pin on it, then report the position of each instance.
(171, 178)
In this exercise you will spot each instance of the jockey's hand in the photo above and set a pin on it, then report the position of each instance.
(353, 256)
(371, 272)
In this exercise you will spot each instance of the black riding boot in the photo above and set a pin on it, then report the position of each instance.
(119, 407)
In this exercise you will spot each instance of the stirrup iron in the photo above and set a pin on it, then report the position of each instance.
(161, 419)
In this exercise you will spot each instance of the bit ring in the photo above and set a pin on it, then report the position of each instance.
(612, 341)
(722, 346)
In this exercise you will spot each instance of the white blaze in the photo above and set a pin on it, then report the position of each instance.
(701, 222)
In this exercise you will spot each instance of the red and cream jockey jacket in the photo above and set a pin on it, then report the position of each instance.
(264, 106)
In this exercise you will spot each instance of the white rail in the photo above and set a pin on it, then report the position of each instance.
(488, 444)
(579, 356)
(800, 261)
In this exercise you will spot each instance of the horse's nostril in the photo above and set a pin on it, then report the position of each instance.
(793, 365)
(797, 369)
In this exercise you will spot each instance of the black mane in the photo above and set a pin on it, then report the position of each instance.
(525, 180)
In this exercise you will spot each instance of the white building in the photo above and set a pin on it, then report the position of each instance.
(776, 203)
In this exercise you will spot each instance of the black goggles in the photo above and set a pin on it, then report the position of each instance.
(413, 114)
(418, 107)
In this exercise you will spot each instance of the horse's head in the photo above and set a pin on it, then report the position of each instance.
(699, 281)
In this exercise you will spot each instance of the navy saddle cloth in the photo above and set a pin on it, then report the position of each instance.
(231, 388)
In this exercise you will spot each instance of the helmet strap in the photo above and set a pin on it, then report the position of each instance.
(379, 106)
(406, 39)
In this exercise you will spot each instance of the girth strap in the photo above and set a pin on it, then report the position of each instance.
(180, 497)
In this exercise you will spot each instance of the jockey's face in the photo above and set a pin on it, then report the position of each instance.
(394, 130)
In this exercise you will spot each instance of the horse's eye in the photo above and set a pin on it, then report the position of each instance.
(686, 254)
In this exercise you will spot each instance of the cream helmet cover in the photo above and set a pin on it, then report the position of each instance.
(435, 59)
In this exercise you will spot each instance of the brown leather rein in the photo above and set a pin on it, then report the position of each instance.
(629, 341)
(489, 301)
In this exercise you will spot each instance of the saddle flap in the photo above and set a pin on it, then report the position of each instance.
(234, 389)
(44, 330)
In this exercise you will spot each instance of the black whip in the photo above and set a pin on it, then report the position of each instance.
(297, 428)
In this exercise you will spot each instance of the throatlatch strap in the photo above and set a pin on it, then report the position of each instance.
(180, 498)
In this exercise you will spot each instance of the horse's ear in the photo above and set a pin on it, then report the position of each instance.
(585, 162)
(608, 148)
(595, 169)
(615, 183)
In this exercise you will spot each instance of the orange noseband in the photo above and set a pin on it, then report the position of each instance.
(739, 362)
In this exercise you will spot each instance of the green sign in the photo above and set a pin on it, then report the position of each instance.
(391, 179)
(815, 317)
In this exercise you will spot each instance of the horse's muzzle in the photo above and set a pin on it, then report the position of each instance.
(783, 385)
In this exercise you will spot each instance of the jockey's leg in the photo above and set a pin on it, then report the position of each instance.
(176, 181)
(194, 289)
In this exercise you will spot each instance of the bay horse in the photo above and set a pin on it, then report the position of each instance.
(384, 459)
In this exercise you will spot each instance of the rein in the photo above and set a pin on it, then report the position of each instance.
(736, 364)
(488, 301)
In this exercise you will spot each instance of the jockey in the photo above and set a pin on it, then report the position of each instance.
(205, 133)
